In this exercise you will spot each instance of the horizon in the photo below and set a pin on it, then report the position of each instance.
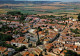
(45, 0)
(51, 0)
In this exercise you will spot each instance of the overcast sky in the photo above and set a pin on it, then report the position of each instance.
(49, 0)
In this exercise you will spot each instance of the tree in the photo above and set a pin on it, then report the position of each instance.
(41, 54)
(20, 48)
(22, 18)
(79, 17)
(76, 31)
(50, 27)
(71, 53)
(3, 44)
(39, 29)
(5, 37)
(15, 32)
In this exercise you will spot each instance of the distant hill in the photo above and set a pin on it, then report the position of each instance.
(7, 0)
(17, 2)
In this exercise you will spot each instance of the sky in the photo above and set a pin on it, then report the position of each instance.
(51, 0)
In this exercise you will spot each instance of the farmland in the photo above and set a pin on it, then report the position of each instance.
(52, 8)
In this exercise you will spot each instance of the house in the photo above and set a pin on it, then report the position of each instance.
(0, 26)
(70, 47)
(55, 29)
(28, 54)
(19, 42)
(46, 41)
(14, 22)
(37, 51)
(6, 51)
(3, 49)
(75, 20)
(32, 30)
(15, 36)
(58, 50)
(49, 46)
(31, 39)
(11, 51)
(51, 54)
(77, 43)
(63, 52)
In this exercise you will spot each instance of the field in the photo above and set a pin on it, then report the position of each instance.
(55, 8)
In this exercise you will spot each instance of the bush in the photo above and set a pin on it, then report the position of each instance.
(14, 13)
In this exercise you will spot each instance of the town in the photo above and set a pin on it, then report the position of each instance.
(39, 35)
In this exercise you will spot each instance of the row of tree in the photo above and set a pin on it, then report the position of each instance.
(46, 16)
(14, 13)
(79, 17)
